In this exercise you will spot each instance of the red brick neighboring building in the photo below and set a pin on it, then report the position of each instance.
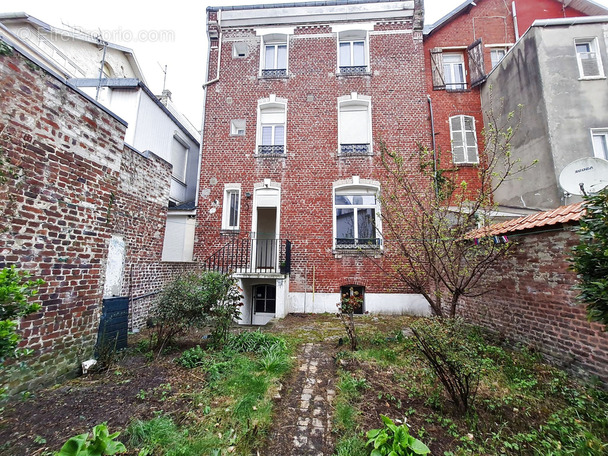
(292, 114)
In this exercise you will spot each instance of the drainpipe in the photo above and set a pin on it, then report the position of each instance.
(205, 85)
(515, 21)
(428, 97)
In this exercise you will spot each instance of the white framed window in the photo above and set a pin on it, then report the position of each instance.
(356, 217)
(464, 140)
(599, 137)
(237, 127)
(271, 125)
(274, 56)
(179, 158)
(353, 51)
(453, 71)
(354, 125)
(588, 58)
(232, 206)
(496, 55)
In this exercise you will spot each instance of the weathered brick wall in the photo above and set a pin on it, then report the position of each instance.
(533, 302)
(54, 215)
(311, 166)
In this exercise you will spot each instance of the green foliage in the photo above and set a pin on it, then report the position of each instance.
(193, 301)
(101, 443)
(16, 292)
(453, 356)
(253, 341)
(393, 440)
(590, 257)
(352, 446)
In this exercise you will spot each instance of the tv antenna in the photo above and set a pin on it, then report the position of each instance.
(164, 70)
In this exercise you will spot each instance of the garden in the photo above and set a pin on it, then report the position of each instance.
(411, 386)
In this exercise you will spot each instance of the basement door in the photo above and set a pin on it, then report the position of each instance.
(264, 303)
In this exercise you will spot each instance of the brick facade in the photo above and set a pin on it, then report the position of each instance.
(311, 166)
(533, 302)
(76, 185)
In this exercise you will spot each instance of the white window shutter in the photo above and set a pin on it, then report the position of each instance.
(457, 137)
(354, 124)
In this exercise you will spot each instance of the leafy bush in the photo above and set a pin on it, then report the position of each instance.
(193, 357)
(100, 444)
(15, 293)
(393, 440)
(193, 301)
(590, 257)
(456, 360)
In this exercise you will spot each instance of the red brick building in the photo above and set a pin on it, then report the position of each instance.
(461, 49)
(293, 109)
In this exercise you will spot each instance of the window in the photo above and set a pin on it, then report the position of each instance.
(239, 50)
(354, 290)
(237, 127)
(354, 125)
(179, 159)
(600, 143)
(274, 56)
(588, 59)
(464, 139)
(496, 55)
(232, 200)
(453, 71)
(271, 126)
(264, 298)
(355, 211)
(352, 52)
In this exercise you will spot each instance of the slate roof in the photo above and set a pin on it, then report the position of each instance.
(563, 214)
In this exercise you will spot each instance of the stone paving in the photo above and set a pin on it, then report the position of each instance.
(309, 407)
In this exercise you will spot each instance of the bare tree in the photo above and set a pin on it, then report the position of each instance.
(428, 214)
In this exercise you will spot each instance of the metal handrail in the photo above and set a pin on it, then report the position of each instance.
(252, 255)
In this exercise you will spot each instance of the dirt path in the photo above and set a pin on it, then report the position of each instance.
(304, 413)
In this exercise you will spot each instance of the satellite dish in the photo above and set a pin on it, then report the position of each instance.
(585, 175)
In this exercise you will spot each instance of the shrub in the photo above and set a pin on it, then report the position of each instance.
(253, 341)
(15, 293)
(193, 301)
(394, 440)
(456, 360)
(590, 257)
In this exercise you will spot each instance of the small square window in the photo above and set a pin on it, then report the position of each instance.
(239, 50)
(237, 127)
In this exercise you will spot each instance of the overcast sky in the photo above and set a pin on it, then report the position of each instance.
(173, 35)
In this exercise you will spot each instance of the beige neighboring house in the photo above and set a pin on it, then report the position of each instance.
(110, 74)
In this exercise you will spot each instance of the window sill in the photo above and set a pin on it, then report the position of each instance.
(230, 231)
(592, 78)
(348, 74)
(467, 164)
(376, 252)
(355, 155)
(270, 155)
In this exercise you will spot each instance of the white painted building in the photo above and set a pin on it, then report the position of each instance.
(110, 74)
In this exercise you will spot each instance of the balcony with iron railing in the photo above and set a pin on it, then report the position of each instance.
(252, 256)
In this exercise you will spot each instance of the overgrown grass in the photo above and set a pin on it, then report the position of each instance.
(236, 401)
(523, 406)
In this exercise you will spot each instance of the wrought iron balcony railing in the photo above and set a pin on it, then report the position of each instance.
(252, 255)
(358, 243)
(354, 149)
(361, 69)
(274, 73)
(271, 150)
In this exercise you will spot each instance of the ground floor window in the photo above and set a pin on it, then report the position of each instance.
(264, 298)
(354, 290)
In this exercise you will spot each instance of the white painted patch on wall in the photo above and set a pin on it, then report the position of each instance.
(115, 267)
